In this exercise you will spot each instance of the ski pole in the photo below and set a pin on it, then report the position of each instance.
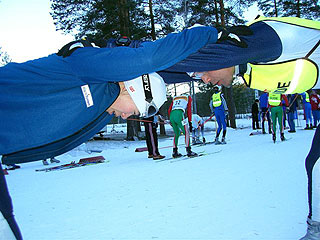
(207, 120)
(141, 120)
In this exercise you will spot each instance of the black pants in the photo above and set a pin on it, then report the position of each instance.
(151, 138)
(6, 206)
(255, 121)
(311, 160)
(265, 115)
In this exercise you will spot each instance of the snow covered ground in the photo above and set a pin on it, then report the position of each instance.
(252, 189)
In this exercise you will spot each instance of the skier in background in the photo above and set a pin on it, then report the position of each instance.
(315, 107)
(219, 107)
(265, 114)
(291, 111)
(179, 106)
(150, 126)
(307, 110)
(275, 104)
(197, 127)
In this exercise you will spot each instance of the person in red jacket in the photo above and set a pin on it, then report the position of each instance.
(177, 109)
(315, 107)
(275, 105)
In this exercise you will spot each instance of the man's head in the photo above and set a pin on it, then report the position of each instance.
(219, 77)
(141, 96)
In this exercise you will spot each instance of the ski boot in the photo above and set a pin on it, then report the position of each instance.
(223, 141)
(12, 167)
(203, 140)
(282, 137)
(45, 162)
(216, 141)
(190, 153)
(53, 160)
(198, 141)
(158, 157)
(313, 231)
(175, 153)
(308, 127)
(274, 137)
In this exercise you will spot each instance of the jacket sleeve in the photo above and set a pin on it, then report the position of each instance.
(284, 97)
(95, 65)
(170, 109)
(225, 106)
(211, 106)
(189, 113)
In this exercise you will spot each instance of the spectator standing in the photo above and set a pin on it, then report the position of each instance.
(315, 107)
(255, 115)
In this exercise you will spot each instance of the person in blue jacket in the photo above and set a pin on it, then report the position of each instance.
(53, 104)
(283, 56)
(219, 107)
(265, 113)
(292, 112)
(307, 110)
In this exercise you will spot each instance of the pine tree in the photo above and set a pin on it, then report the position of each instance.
(100, 18)
(4, 57)
(309, 9)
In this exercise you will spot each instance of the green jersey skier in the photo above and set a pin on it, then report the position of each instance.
(177, 109)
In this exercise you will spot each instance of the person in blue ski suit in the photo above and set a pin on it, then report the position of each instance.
(265, 113)
(292, 111)
(282, 55)
(53, 104)
(307, 109)
(219, 107)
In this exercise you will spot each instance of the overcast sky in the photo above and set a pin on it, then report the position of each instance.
(28, 32)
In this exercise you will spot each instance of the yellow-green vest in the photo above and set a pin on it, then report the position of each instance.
(307, 97)
(216, 99)
(274, 99)
(286, 77)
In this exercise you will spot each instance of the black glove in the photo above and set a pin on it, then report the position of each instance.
(190, 126)
(233, 34)
(69, 48)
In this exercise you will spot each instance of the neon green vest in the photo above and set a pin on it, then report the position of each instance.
(274, 99)
(307, 97)
(291, 76)
(216, 99)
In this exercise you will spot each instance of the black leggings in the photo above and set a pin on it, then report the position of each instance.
(6, 206)
(311, 160)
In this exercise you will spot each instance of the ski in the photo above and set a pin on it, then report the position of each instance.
(199, 155)
(286, 139)
(255, 133)
(82, 162)
(171, 158)
(203, 144)
(185, 157)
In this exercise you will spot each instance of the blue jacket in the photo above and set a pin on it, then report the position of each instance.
(263, 46)
(263, 100)
(53, 104)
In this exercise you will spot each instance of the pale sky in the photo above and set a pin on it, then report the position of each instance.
(27, 31)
